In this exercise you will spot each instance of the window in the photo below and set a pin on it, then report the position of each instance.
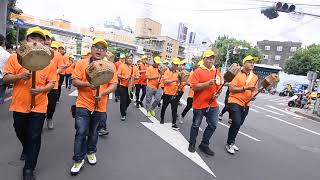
(279, 48)
(276, 65)
(277, 58)
(267, 48)
(266, 57)
(293, 49)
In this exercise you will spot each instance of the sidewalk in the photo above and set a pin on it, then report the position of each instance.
(307, 113)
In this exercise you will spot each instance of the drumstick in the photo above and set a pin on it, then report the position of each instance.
(33, 97)
(96, 101)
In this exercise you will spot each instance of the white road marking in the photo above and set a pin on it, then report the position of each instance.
(290, 113)
(253, 138)
(268, 110)
(297, 126)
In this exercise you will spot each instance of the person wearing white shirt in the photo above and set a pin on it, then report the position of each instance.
(4, 55)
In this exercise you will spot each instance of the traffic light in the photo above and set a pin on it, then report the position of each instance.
(272, 12)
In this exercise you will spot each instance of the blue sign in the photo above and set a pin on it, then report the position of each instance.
(20, 22)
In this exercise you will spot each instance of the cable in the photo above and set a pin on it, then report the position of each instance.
(240, 9)
(301, 4)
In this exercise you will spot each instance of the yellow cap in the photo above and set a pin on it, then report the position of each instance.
(200, 63)
(100, 40)
(250, 58)
(208, 53)
(183, 62)
(176, 61)
(71, 56)
(47, 33)
(36, 30)
(144, 57)
(165, 61)
(61, 44)
(54, 44)
(157, 60)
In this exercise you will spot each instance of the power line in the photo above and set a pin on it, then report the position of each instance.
(239, 9)
(301, 4)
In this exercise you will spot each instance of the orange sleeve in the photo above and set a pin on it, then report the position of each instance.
(165, 75)
(77, 73)
(136, 72)
(10, 66)
(114, 79)
(53, 74)
(148, 72)
(119, 72)
(194, 79)
(235, 81)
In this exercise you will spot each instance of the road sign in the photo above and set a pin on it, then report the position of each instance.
(20, 22)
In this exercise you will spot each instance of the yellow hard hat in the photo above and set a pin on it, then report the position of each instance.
(200, 63)
(208, 53)
(100, 40)
(157, 60)
(176, 61)
(249, 58)
(36, 30)
(54, 44)
(47, 33)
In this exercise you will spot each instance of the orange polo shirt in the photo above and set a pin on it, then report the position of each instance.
(57, 61)
(142, 80)
(86, 96)
(70, 69)
(202, 98)
(191, 92)
(170, 88)
(153, 72)
(161, 81)
(65, 62)
(21, 96)
(125, 70)
(240, 81)
(117, 64)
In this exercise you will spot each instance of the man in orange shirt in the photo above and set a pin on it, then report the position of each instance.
(242, 89)
(164, 67)
(117, 64)
(142, 82)
(69, 71)
(153, 89)
(28, 121)
(125, 73)
(62, 74)
(88, 116)
(170, 92)
(205, 82)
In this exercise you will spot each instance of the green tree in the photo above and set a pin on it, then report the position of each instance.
(304, 60)
(12, 35)
(221, 44)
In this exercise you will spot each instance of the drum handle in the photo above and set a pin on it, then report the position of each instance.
(96, 102)
(33, 97)
(254, 96)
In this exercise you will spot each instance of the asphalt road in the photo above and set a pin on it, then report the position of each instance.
(274, 145)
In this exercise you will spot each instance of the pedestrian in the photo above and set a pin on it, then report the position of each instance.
(4, 55)
(58, 65)
(69, 71)
(225, 108)
(205, 82)
(163, 68)
(182, 84)
(28, 121)
(125, 72)
(153, 77)
(142, 82)
(189, 100)
(242, 89)
(62, 74)
(87, 115)
(170, 93)
(117, 64)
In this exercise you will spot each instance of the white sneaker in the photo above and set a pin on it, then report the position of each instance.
(76, 167)
(230, 149)
(235, 147)
(92, 159)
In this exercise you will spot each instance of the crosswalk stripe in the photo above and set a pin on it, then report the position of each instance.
(290, 113)
(268, 110)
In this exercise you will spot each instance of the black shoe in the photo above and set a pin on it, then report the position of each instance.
(116, 99)
(23, 157)
(141, 104)
(28, 175)
(159, 105)
(192, 148)
(175, 127)
(137, 104)
(206, 150)
(162, 122)
(103, 132)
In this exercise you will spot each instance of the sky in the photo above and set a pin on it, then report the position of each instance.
(248, 25)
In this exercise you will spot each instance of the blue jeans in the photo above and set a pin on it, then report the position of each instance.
(238, 115)
(86, 138)
(212, 121)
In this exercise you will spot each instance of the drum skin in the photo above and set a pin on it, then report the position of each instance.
(100, 72)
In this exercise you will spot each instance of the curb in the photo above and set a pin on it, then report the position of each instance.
(308, 116)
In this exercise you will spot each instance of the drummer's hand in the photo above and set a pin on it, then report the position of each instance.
(251, 88)
(25, 76)
(253, 99)
(98, 98)
(35, 91)
(90, 86)
(211, 82)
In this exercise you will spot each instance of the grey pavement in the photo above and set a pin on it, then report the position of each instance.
(275, 145)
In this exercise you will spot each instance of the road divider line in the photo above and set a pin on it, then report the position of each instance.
(290, 113)
(268, 110)
(297, 126)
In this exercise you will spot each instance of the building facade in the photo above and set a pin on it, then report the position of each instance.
(147, 27)
(276, 53)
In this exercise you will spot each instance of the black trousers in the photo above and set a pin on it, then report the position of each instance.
(28, 128)
(174, 101)
(61, 79)
(238, 115)
(144, 91)
(117, 93)
(52, 102)
(68, 80)
(188, 107)
(124, 100)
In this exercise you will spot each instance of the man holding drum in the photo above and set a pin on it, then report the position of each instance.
(88, 112)
(28, 121)
(242, 89)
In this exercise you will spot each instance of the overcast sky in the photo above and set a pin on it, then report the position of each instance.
(250, 25)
